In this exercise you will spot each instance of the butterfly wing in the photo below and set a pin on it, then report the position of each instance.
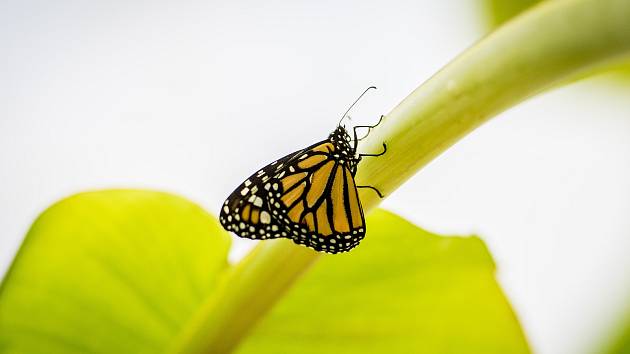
(308, 196)
(247, 212)
(316, 198)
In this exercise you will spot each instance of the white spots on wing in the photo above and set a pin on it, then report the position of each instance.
(256, 200)
(274, 228)
(265, 218)
(267, 186)
(244, 191)
(226, 209)
(275, 186)
(247, 183)
(291, 169)
(241, 225)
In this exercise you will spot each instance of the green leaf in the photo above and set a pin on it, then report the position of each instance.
(403, 290)
(128, 271)
(110, 272)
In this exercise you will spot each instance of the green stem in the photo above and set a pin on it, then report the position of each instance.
(554, 42)
(245, 294)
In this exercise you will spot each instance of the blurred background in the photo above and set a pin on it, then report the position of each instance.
(191, 97)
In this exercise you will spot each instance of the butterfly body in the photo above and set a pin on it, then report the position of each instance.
(308, 196)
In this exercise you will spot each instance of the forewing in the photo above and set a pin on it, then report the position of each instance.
(316, 198)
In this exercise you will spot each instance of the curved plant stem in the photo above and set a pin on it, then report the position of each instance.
(554, 42)
(244, 295)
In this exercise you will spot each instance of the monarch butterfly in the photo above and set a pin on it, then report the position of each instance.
(308, 196)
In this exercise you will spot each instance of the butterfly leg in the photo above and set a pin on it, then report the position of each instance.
(374, 189)
(374, 155)
(366, 126)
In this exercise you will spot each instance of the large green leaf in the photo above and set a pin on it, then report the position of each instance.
(110, 272)
(403, 290)
(126, 271)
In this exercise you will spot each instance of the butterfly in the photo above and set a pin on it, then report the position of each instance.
(308, 196)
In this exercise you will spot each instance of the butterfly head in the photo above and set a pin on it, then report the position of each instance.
(344, 146)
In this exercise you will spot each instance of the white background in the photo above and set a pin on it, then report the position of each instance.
(191, 97)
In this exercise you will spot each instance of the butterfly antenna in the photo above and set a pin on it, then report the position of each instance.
(355, 102)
